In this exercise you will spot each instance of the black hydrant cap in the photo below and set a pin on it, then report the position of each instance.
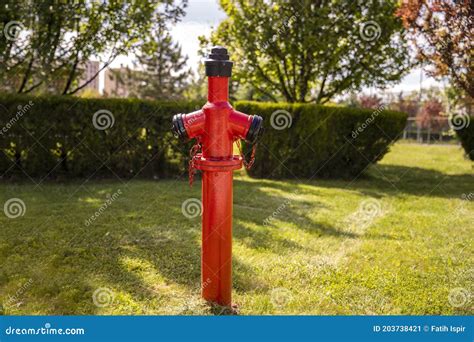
(219, 53)
(255, 130)
(179, 128)
(217, 63)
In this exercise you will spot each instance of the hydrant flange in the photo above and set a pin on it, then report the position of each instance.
(218, 165)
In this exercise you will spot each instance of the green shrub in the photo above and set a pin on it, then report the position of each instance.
(322, 141)
(55, 136)
(466, 135)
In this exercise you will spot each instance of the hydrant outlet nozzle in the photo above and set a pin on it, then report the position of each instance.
(178, 127)
(255, 129)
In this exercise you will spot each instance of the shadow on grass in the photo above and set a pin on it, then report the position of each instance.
(421, 182)
(65, 259)
(386, 179)
(288, 208)
(142, 232)
(144, 237)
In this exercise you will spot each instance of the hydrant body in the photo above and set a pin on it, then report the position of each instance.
(216, 127)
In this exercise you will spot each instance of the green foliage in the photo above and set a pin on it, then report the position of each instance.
(161, 72)
(55, 136)
(307, 51)
(466, 135)
(322, 141)
(441, 33)
(46, 43)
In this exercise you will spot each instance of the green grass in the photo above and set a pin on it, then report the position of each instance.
(396, 241)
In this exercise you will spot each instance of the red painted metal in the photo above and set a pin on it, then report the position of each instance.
(217, 126)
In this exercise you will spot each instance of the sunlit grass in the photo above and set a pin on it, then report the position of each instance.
(300, 247)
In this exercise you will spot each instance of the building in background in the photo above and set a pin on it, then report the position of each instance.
(117, 82)
(89, 70)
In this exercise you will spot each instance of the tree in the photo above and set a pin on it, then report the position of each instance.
(57, 38)
(162, 72)
(459, 103)
(409, 104)
(442, 32)
(430, 115)
(310, 51)
(370, 101)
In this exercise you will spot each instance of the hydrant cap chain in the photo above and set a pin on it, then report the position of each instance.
(218, 63)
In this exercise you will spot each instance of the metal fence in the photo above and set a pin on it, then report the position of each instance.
(437, 130)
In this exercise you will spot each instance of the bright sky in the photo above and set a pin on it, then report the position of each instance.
(203, 15)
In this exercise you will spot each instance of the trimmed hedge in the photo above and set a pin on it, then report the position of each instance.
(55, 137)
(322, 141)
(466, 135)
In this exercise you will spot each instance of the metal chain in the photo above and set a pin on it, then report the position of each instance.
(191, 169)
(197, 147)
(248, 165)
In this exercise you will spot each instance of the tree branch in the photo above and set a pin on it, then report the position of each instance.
(106, 64)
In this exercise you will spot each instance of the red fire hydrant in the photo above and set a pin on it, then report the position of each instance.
(216, 127)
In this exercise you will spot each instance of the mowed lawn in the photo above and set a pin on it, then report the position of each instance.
(397, 240)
